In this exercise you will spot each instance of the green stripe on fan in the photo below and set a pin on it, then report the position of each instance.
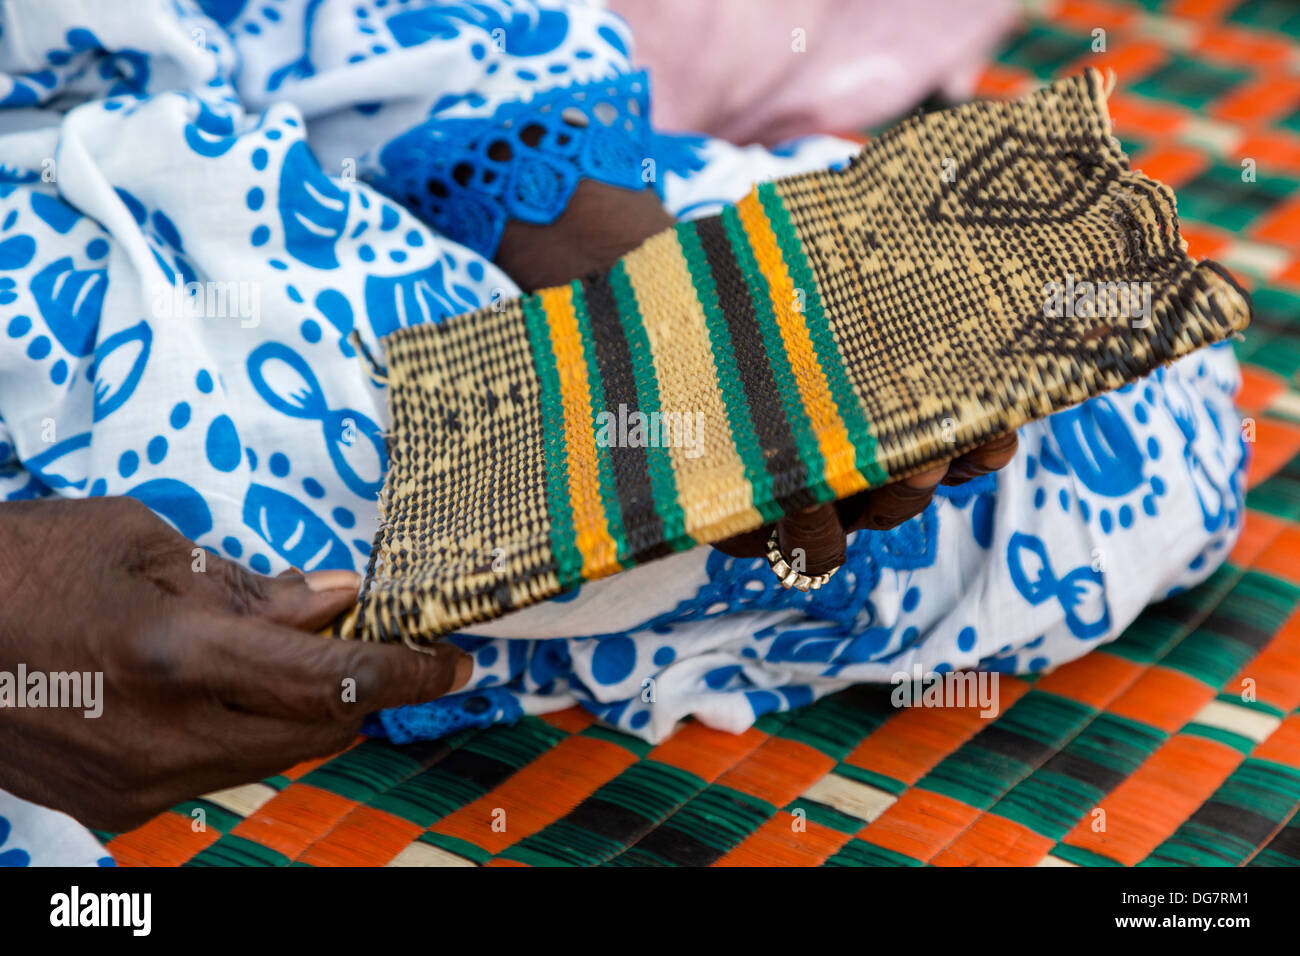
(630, 462)
(563, 540)
(823, 337)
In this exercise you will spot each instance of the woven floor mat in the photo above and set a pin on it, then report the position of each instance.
(1140, 753)
(1177, 744)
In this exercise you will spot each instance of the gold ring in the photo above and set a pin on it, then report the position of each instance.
(788, 576)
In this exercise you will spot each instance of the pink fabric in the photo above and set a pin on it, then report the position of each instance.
(729, 67)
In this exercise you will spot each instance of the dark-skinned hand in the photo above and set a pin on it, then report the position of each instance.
(819, 534)
(603, 223)
(211, 675)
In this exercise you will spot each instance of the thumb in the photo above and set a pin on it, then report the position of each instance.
(304, 601)
(309, 601)
(265, 669)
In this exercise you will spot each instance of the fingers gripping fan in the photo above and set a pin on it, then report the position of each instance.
(829, 333)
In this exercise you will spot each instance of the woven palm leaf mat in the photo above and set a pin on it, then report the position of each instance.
(1152, 730)
(828, 333)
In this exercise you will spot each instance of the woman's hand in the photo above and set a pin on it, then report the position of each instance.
(818, 535)
(210, 677)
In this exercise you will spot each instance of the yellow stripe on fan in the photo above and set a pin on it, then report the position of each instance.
(597, 547)
(832, 436)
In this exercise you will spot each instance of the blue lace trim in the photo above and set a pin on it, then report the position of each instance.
(446, 715)
(468, 177)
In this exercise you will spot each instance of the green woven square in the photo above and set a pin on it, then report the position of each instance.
(1044, 50)
(1189, 82)
(1220, 197)
(1277, 310)
(1280, 15)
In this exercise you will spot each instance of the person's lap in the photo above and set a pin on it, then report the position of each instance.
(1107, 507)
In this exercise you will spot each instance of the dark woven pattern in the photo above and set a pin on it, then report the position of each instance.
(936, 289)
(477, 416)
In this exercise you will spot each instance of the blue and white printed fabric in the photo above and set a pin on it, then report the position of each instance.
(31, 835)
(202, 203)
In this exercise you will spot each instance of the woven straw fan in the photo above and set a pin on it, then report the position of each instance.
(971, 270)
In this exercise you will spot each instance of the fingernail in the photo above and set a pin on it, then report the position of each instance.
(333, 580)
(464, 670)
(926, 479)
